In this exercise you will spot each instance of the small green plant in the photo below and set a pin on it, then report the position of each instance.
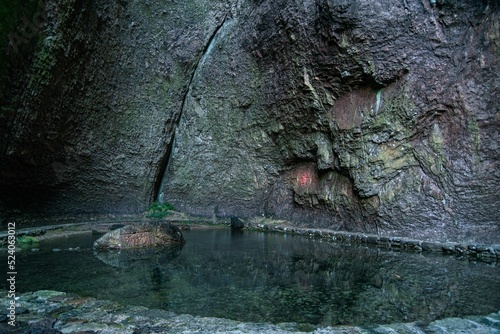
(159, 210)
(26, 240)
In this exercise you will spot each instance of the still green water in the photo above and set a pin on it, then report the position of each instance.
(268, 277)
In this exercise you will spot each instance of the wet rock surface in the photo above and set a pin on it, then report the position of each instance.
(58, 312)
(361, 116)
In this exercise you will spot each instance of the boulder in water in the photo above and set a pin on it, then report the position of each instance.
(139, 235)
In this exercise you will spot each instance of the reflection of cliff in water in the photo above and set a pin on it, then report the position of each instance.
(259, 277)
(150, 257)
(278, 278)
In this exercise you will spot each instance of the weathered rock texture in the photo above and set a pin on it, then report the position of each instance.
(373, 116)
(140, 235)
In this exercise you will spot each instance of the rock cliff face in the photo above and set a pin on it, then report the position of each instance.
(376, 116)
(91, 115)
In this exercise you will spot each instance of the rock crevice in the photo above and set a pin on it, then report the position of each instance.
(166, 158)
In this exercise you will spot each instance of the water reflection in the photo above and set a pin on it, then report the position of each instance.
(254, 276)
(152, 257)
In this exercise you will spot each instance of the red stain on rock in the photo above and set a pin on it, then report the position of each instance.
(304, 179)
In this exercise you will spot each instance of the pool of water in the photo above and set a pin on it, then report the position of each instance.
(268, 277)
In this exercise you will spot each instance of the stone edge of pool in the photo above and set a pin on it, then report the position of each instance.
(48, 311)
(482, 251)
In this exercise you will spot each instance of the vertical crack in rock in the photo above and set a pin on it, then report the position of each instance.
(164, 163)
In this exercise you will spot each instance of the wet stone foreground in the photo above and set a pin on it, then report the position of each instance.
(48, 311)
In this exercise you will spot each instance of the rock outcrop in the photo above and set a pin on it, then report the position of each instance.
(236, 223)
(140, 235)
(367, 116)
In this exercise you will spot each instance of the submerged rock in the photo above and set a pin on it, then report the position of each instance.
(139, 235)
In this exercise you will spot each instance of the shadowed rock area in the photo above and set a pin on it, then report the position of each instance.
(378, 117)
